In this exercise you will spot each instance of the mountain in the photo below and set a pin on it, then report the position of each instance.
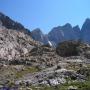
(27, 64)
(65, 33)
(85, 31)
(39, 36)
(57, 34)
(8, 23)
(62, 33)
(15, 40)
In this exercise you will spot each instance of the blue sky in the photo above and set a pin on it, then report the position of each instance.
(46, 14)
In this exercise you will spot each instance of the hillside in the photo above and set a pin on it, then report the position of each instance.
(26, 64)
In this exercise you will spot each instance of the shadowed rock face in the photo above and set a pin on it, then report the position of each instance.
(39, 36)
(77, 32)
(85, 31)
(62, 33)
(10, 24)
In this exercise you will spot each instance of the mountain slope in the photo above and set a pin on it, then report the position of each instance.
(14, 43)
(8, 23)
(15, 40)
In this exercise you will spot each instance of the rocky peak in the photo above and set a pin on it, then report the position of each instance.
(86, 25)
(54, 34)
(62, 33)
(85, 31)
(39, 36)
(76, 28)
(37, 31)
(55, 29)
(87, 20)
(67, 26)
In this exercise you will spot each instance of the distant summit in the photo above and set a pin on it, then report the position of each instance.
(38, 35)
(57, 34)
(86, 25)
(67, 32)
(63, 33)
(85, 31)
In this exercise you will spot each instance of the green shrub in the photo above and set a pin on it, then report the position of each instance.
(68, 48)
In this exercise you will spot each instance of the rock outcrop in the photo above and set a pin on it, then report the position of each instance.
(14, 43)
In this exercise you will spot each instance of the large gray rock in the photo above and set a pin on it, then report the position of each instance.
(14, 43)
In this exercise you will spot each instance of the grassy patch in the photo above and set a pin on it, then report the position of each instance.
(26, 71)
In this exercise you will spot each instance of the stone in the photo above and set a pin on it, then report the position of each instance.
(72, 88)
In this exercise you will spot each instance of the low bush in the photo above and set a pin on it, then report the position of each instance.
(68, 48)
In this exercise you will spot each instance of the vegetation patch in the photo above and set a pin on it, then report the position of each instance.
(68, 48)
(26, 70)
